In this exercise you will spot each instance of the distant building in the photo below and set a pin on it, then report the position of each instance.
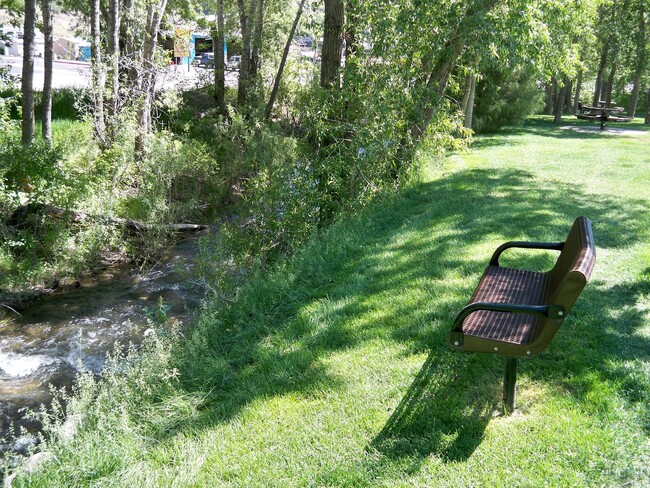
(73, 48)
(12, 43)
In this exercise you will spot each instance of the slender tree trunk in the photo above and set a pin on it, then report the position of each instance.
(148, 74)
(27, 87)
(128, 41)
(113, 55)
(598, 90)
(258, 27)
(647, 108)
(285, 54)
(559, 103)
(48, 60)
(245, 19)
(550, 92)
(332, 44)
(219, 61)
(576, 100)
(97, 73)
(609, 86)
(568, 96)
(351, 25)
(634, 97)
(466, 93)
(641, 60)
(469, 106)
(436, 85)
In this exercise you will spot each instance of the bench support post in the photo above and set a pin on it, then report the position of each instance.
(509, 384)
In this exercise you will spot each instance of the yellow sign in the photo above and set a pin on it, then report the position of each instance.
(182, 38)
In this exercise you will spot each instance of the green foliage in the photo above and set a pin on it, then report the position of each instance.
(8, 102)
(34, 173)
(506, 98)
(158, 315)
(65, 103)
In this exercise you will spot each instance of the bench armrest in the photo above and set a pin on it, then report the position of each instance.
(555, 246)
(548, 311)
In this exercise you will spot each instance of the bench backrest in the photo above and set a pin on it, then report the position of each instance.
(574, 265)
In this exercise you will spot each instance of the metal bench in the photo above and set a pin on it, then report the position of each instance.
(516, 313)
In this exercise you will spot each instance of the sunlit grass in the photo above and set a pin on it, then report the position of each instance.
(332, 370)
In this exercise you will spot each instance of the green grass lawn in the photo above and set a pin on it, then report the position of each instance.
(332, 371)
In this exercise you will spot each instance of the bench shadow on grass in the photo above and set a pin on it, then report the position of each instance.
(443, 412)
(452, 399)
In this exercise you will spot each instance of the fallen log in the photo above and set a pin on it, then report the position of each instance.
(19, 219)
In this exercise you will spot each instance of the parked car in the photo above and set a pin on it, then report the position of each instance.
(205, 59)
(233, 62)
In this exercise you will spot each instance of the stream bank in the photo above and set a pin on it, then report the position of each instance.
(61, 333)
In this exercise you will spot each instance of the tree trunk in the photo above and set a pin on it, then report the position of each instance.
(436, 85)
(634, 97)
(113, 55)
(559, 103)
(568, 98)
(148, 74)
(48, 60)
(576, 100)
(550, 92)
(332, 44)
(598, 90)
(245, 19)
(127, 41)
(27, 87)
(610, 84)
(285, 54)
(351, 25)
(469, 106)
(647, 109)
(97, 73)
(466, 93)
(641, 60)
(219, 61)
(256, 62)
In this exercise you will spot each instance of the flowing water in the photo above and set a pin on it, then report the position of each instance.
(70, 331)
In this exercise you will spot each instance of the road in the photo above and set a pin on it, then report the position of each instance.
(65, 73)
(77, 74)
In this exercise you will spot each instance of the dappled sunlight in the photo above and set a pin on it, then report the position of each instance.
(403, 282)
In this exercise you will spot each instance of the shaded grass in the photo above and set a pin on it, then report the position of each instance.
(331, 371)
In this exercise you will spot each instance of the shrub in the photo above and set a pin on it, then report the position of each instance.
(8, 102)
(33, 173)
(505, 98)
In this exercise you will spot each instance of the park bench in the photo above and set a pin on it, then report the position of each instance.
(515, 312)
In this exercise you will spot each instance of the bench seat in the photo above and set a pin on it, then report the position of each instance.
(507, 285)
(616, 118)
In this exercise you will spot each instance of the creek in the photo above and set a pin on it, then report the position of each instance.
(69, 331)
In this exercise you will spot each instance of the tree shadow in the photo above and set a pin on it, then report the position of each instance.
(567, 129)
(602, 343)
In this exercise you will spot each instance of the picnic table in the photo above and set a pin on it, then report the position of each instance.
(602, 113)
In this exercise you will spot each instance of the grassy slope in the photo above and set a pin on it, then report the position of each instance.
(333, 372)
